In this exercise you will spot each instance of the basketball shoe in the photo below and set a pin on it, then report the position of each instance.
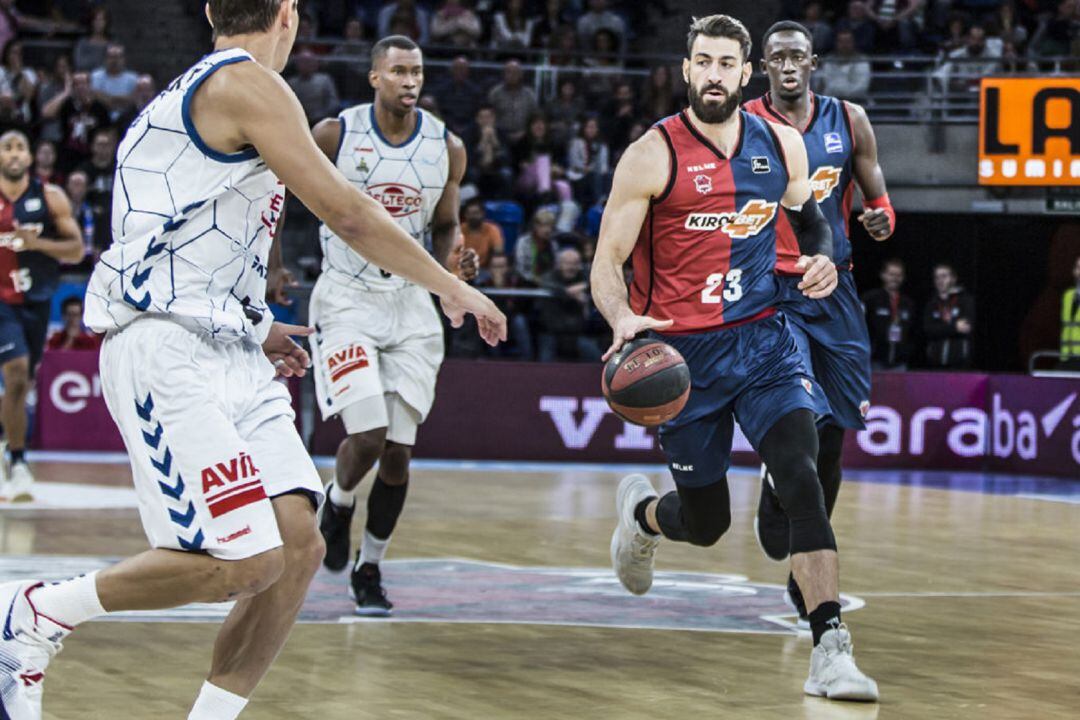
(367, 590)
(771, 526)
(20, 485)
(833, 673)
(334, 524)
(27, 643)
(632, 549)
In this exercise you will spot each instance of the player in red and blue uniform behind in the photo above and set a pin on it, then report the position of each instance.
(831, 333)
(703, 242)
(37, 232)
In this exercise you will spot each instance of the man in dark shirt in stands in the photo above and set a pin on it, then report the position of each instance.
(890, 317)
(948, 322)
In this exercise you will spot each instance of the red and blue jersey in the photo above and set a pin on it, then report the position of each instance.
(27, 276)
(830, 148)
(707, 249)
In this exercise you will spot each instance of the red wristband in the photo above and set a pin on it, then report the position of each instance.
(882, 203)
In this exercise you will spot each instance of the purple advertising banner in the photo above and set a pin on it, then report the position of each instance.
(925, 421)
(555, 412)
(71, 413)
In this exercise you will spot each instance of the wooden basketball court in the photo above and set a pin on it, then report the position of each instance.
(972, 609)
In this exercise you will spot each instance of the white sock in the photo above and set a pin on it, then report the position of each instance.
(372, 549)
(341, 498)
(214, 703)
(68, 603)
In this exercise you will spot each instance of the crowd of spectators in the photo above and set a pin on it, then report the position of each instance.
(550, 157)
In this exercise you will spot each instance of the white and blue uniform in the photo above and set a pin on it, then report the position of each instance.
(181, 294)
(378, 336)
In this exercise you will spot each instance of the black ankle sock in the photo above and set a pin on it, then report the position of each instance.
(639, 515)
(17, 456)
(824, 617)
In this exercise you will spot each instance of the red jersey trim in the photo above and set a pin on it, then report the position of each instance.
(766, 313)
(850, 130)
(766, 100)
(708, 143)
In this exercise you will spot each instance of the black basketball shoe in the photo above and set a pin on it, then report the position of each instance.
(334, 525)
(771, 526)
(367, 591)
(793, 597)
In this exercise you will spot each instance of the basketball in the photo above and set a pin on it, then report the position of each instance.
(647, 382)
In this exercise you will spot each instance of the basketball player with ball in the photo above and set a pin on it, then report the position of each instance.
(702, 238)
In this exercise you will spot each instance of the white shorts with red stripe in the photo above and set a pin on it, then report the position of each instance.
(374, 345)
(210, 435)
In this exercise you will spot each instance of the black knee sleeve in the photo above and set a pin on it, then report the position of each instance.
(830, 448)
(789, 450)
(698, 516)
(384, 506)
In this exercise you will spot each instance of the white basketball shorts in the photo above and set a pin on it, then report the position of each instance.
(210, 435)
(370, 346)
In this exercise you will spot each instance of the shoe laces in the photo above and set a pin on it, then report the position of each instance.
(642, 547)
(34, 637)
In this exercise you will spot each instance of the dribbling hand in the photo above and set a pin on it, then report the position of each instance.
(819, 276)
(489, 319)
(629, 326)
(289, 359)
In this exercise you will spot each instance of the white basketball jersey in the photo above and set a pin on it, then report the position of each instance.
(408, 179)
(191, 227)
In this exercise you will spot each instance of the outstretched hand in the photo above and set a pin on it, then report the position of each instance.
(470, 301)
(288, 357)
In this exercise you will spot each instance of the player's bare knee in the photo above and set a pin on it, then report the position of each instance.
(305, 550)
(17, 377)
(253, 575)
(361, 450)
(394, 463)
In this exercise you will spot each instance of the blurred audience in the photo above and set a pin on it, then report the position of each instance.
(846, 72)
(1070, 322)
(890, 318)
(481, 235)
(315, 89)
(948, 322)
(561, 318)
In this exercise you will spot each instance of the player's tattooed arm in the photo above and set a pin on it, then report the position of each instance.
(878, 218)
(446, 221)
(68, 245)
(811, 229)
(635, 184)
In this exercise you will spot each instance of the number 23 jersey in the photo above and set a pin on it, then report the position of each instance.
(707, 248)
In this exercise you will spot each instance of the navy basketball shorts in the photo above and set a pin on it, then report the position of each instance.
(23, 329)
(751, 373)
(834, 341)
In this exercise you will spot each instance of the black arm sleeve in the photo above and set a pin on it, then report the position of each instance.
(811, 229)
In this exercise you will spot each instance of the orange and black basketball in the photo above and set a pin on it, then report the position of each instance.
(647, 382)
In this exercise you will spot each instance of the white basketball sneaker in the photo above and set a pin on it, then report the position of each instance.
(20, 485)
(25, 651)
(833, 673)
(632, 549)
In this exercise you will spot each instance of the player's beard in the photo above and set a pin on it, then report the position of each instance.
(13, 173)
(713, 113)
